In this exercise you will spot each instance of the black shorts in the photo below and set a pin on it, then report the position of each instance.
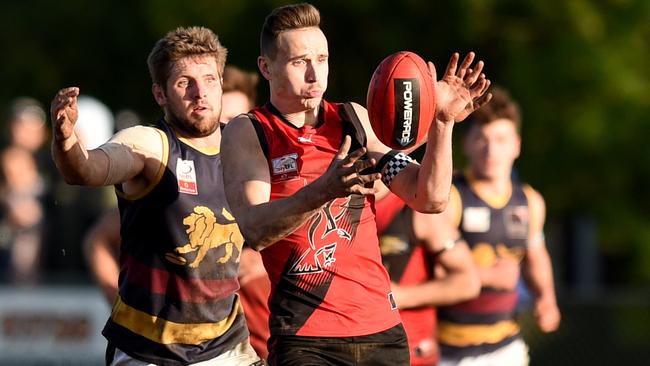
(389, 348)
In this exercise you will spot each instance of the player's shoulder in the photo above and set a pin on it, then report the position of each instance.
(241, 135)
(536, 203)
(531, 193)
(138, 135)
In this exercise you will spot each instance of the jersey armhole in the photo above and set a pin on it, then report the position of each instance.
(259, 131)
(352, 126)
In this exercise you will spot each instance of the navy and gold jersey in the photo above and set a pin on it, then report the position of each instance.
(492, 230)
(179, 260)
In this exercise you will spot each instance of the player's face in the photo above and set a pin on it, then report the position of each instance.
(298, 75)
(192, 97)
(492, 149)
(233, 104)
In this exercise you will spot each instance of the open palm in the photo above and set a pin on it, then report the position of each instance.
(462, 90)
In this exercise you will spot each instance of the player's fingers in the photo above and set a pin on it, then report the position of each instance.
(66, 93)
(467, 61)
(483, 100)
(474, 73)
(354, 156)
(451, 66)
(480, 86)
(366, 191)
(432, 71)
(344, 148)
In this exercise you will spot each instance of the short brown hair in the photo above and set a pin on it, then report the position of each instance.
(285, 18)
(236, 79)
(180, 43)
(500, 107)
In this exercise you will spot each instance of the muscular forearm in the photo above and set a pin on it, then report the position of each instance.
(73, 162)
(264, 224)
(449, 290)
(539, 276)
(433, 178)
(502, 276)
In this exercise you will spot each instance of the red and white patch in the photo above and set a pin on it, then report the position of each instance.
(186, 176)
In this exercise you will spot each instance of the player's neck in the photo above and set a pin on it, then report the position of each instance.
(298, 116)
(491, 186)
(209, 145)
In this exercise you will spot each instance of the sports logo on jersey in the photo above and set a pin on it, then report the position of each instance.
(186, 176)
(205, 232)
(305, 140)
(285, 167)
(476, 219)
(516, 221)
(325, 233)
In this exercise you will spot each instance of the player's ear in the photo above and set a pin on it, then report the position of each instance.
(159, 94)
(264, 65)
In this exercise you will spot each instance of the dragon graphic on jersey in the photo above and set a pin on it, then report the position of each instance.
(329, 227)
(205, 233)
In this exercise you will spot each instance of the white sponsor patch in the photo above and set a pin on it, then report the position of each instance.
(476, 219)
(285, 167)
(186, 176)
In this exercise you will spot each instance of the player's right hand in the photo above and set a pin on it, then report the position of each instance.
(344, 177)
(64, 112)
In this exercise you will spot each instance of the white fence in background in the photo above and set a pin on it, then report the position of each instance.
(52, 326)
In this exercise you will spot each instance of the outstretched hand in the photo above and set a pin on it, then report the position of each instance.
(64, 112)
(462, 90)
(343, 177)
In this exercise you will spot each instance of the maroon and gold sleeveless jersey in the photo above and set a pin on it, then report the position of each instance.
(492, 231)
(327, 277)
(179, 260)
(408, 263)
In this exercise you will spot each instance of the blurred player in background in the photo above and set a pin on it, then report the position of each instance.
(410, 251)
(501, 219)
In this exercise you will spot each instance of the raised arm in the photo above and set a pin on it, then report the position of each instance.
(121, 159)
(425, 187)
(248, 186)
(538, 271)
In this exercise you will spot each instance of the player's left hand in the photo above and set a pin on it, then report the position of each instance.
(462, 89)
(547, 315)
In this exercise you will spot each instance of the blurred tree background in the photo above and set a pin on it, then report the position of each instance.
(578, 68)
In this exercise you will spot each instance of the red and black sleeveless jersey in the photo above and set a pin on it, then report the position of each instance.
(408, 263)
(486, 323)
(179, 260)
(327, 278)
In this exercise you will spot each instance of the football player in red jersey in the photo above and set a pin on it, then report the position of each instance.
(298, 174)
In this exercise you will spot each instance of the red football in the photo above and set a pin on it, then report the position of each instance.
(401, 100)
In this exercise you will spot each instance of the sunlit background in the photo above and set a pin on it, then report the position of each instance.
(578, 68)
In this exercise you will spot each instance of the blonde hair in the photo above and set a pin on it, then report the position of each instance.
(180, 43)
(285, 18)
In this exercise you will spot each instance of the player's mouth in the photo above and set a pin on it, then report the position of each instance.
(314, 93)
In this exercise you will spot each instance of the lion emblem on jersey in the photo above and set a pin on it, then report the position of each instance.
(205, 233)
